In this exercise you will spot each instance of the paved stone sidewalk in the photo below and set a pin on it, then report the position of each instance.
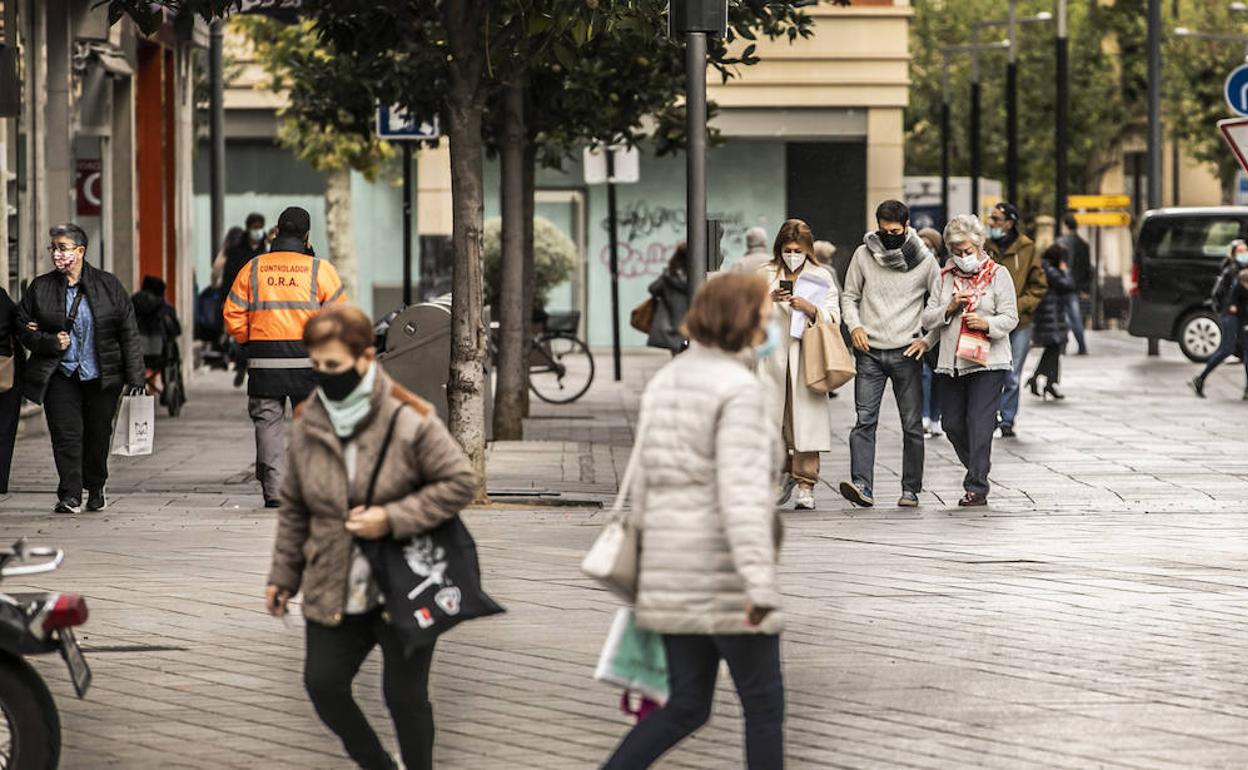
(1094, 617)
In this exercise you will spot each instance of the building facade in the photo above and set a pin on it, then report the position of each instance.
(99, 133)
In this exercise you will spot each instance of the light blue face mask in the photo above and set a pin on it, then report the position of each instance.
(769, 345)
(1242, 258)
(996, 233)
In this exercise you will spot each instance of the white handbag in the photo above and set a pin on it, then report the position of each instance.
(612, 559)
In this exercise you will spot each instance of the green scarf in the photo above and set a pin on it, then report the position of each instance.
(347, 414)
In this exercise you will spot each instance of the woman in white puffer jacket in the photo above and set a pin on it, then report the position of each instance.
(708, 462)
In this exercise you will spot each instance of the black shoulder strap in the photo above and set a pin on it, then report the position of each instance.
(381, 457)
(73, 309)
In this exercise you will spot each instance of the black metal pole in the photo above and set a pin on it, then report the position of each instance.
(1154, 104)
(216, 150)
(1062, 111)
(1011, 129)
(1011, 108)
(612, 227)
(944, 163)
(975, 149)
(407, 223)
(695, 190)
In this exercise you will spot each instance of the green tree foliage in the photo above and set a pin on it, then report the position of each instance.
(1107, 91)
(555, 257)
(1195, 71)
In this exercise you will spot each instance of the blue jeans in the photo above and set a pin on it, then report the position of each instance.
(692, 666)
(1230, 331)
(1075, 318)
(1020, 343)
(875, 369)
(931, 394)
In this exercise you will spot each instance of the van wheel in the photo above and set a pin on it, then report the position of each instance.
(1199, 336)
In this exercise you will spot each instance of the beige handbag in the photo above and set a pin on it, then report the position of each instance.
(825, 358)
(613, 558)
(8, 373)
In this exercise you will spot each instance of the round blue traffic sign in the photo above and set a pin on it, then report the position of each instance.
(1236, 90)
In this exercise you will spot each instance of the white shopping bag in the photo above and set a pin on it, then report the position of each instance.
(135, 427)
(633, 658)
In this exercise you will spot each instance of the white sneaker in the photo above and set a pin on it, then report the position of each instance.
(805, 498)
(937, 428)
(927, 424)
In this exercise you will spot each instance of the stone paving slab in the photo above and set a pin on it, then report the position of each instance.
(1093, 617)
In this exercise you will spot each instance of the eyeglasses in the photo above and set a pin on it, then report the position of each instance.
(967, 252)
(55, 249)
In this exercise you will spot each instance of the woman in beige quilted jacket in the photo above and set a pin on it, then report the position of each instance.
(423, 479)
(709, 458)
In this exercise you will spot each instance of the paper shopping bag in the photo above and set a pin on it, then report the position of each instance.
(825, 358)
(633, 658)
(134, 429)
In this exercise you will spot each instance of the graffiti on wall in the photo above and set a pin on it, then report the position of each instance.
(659, 229)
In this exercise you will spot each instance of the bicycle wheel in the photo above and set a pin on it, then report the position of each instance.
(561, 368)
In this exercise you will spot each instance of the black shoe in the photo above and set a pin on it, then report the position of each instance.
(68, 505)
(1197, 384)
(1031, 385)
(95, 499)
(1051, 390)
(272, 502)
(1007, 431)
(239, 376)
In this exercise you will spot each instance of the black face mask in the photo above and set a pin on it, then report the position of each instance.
(892, 241)
(338, 385)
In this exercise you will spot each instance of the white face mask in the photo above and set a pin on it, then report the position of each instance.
(794, 259)
(968, 264)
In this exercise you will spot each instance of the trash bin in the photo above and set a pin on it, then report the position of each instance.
(417, 355)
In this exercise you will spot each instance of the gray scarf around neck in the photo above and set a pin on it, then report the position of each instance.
(904, 259)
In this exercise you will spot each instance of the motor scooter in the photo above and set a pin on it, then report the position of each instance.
(35, 624)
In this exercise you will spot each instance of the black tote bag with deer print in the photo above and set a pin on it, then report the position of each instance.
(431, 582)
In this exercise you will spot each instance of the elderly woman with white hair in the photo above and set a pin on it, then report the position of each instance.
(974, 311)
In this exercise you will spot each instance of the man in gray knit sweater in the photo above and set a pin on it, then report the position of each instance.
(888, 282)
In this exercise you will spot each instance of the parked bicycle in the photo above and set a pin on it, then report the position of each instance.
(561, 368)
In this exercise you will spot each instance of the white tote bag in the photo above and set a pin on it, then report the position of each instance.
(134, 429)
(612, 559)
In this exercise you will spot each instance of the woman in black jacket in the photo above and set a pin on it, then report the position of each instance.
(78, 324)
(671, 293)
(1049, 327)
(11, 360)
(1223, 300)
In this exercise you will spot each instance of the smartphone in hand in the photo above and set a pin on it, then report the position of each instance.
(786, 286)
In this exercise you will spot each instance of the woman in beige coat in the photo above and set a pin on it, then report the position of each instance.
(802, 416)
(423, 480)
(707, 577)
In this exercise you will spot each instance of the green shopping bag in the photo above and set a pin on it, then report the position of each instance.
(633, 658)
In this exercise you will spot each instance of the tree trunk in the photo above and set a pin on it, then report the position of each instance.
(512, 374)
(530, 271)
(339, 230)
(1227, 180)
(465, 105)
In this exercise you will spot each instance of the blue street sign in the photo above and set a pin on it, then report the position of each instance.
(394, 124)
(1236, 90)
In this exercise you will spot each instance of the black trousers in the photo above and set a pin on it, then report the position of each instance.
(334, 656)
(80, 422)
(970, 419)
(1050, 365)
(692, 665)
(10, 416)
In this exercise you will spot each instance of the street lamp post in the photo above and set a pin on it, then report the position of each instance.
(945, 138)
(1011, 92)
(1062, 114)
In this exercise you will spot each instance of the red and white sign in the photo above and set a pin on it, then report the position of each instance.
(90, 186)
(1235, 132)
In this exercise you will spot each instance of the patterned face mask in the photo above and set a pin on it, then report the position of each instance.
(64, 261)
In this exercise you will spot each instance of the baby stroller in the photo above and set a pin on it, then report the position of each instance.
(160, 329)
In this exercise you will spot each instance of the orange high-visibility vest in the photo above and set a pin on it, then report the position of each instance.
(271, 300)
